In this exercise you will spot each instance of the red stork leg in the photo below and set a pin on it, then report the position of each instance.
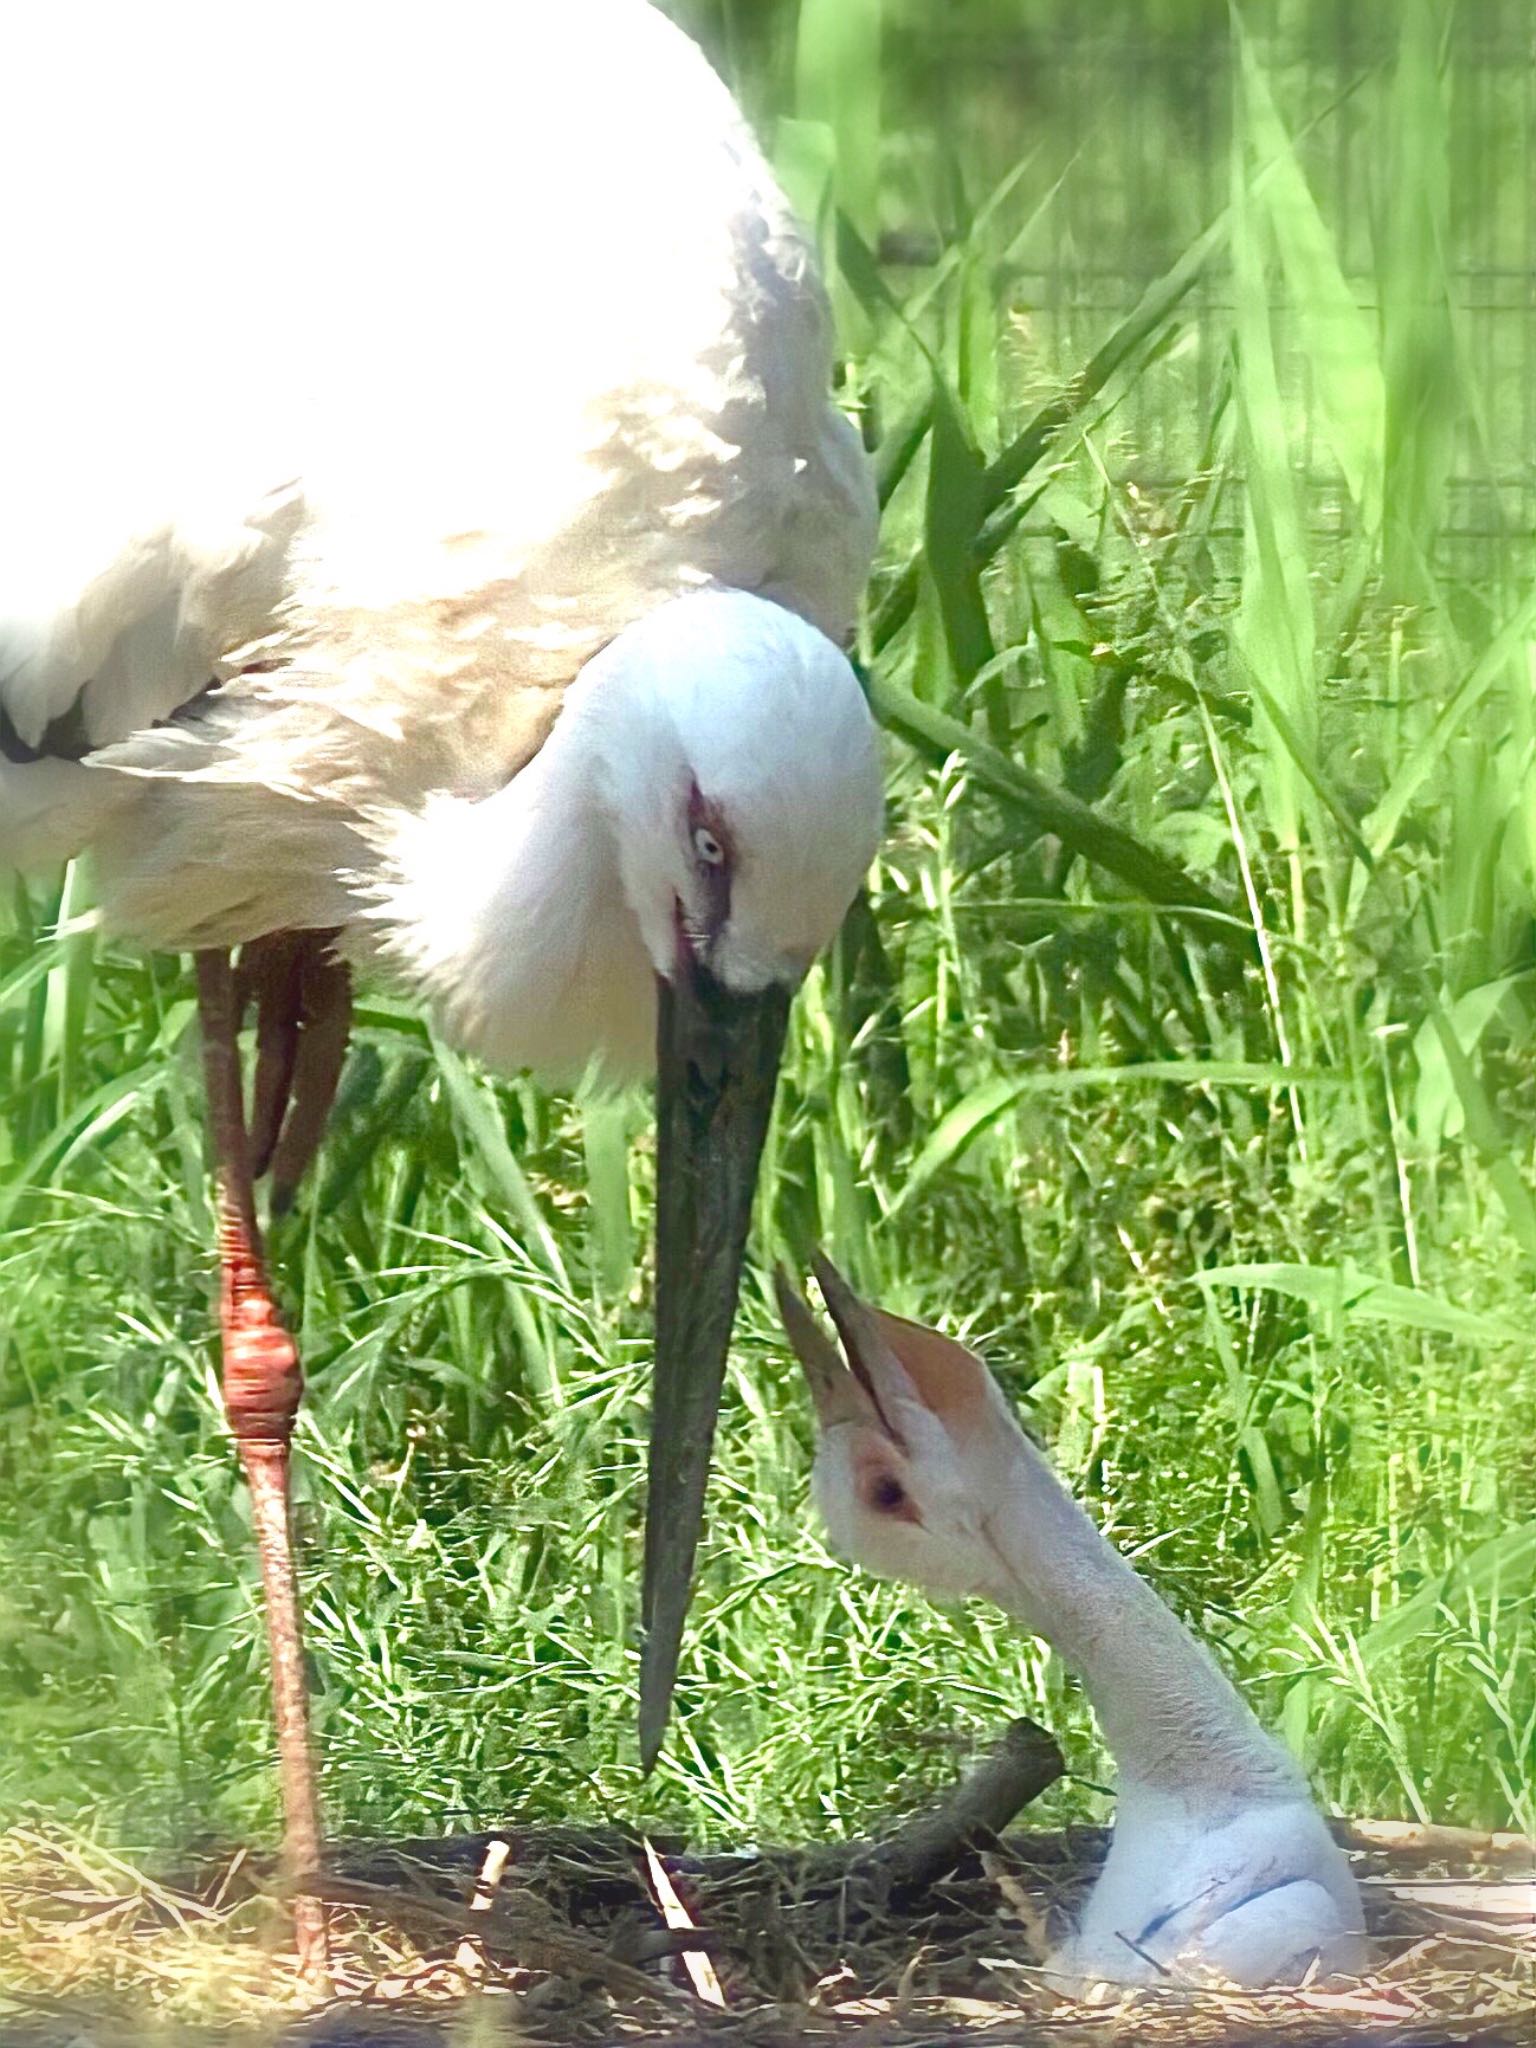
(262, 1387)
(325, 1024)
(270, 974)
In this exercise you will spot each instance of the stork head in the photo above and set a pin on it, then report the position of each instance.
(918, 1448)
(736, 761)
(658, 877)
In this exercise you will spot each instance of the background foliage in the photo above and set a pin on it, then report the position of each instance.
(1195, 353)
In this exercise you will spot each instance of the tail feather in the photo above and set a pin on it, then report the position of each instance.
(50, 810)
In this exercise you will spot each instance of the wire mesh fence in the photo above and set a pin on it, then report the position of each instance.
(1118, 119)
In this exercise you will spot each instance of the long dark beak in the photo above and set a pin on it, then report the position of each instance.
(717, 1059)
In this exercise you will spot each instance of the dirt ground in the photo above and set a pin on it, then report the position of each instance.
(561, 1937)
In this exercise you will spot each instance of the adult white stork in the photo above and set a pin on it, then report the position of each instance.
(426, 538)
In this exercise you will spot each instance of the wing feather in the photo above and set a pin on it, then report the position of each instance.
(407, 355)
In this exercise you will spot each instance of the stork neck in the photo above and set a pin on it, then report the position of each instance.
(1173, 1720)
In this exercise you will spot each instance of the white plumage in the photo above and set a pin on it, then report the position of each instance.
(384, 373)
(424, 518)
(1221, 1869)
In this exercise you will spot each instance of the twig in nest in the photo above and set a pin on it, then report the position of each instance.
(1412, 1838)
(561, 1954)
(471, 1956)
(1016, 1770)
(701, 1971)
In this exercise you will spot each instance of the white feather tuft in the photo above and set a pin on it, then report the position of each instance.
(484, 336)
(536, 919)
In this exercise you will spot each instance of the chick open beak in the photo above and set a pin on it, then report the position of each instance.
(842, 1391)
(837, 1395)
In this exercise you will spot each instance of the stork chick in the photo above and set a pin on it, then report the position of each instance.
(1221, 1869)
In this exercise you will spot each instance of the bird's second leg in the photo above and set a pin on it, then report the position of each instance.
(303, 998)
(325, 1024)
(262, 1387)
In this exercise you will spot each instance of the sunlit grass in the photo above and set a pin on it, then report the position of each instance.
(1019, 1098)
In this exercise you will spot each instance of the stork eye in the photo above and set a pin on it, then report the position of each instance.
(887, 1495)
(708, 847)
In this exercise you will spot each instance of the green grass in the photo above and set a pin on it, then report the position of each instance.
(1181, 1055)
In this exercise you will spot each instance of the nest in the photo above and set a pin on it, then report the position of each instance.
(567, 1937)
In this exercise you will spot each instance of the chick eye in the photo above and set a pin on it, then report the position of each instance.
(887, 1495)
(708, 847)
